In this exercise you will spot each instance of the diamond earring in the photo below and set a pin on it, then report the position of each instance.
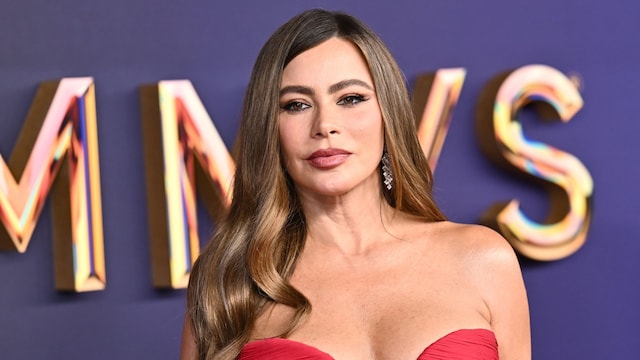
(387, 174)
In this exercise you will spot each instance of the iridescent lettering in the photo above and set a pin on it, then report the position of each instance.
(62, 121)
(437, 94)
(178, 135)
(569, 183)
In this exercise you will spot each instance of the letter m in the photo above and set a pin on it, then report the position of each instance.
(57, 152)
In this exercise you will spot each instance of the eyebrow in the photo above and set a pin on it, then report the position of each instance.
(299, 89)
(346, 83)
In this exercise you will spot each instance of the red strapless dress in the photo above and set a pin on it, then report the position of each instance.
(465, 344)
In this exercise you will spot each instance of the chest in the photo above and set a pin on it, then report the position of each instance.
(381, 315)
(470, 344)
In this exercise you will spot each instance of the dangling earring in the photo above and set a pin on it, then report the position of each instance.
(387, 174)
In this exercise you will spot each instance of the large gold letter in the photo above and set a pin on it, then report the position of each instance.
(435, 95)
(62, 120)
(178, 129)
(567, 179)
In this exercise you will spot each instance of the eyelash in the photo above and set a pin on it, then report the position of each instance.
(295, 106)
(298, 106)
(352, 99)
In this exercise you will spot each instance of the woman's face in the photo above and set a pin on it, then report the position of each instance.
(330, 123)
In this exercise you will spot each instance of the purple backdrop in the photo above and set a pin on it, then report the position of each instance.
(582, 307)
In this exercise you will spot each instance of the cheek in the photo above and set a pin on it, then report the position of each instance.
(287, 147)
(291, 137)
(284, 155)
(372, 130)
(367, 119)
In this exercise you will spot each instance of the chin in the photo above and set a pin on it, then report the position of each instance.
(325, 190)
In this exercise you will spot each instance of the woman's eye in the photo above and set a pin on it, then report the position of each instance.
(295, 106)
(351, 100)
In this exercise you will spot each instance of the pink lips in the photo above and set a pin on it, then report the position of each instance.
(328, 158)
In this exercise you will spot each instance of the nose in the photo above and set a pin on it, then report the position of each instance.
(325, 123)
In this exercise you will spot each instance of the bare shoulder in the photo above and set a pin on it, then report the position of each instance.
(487, 255)
(473, 242)
(492, 266)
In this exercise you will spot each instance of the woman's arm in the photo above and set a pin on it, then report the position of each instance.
(499, 277)
(188, 346)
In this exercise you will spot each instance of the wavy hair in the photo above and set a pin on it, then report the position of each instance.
(247, 264)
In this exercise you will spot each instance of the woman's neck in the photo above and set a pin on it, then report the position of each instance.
(350, 225)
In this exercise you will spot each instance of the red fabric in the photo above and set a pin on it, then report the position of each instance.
(281, 349)
(465, 344)
(476, 344)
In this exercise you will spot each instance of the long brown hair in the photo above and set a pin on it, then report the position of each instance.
(248, 262)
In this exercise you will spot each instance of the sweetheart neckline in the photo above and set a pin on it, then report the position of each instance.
(284, 340)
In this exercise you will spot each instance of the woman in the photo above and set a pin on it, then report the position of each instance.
(333, 243)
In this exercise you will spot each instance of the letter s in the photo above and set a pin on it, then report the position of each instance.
(568, 181)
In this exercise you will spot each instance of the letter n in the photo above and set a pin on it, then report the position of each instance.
(182, 149)
(57, 151)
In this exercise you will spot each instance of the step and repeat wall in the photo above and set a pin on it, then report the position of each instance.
(117, 119)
